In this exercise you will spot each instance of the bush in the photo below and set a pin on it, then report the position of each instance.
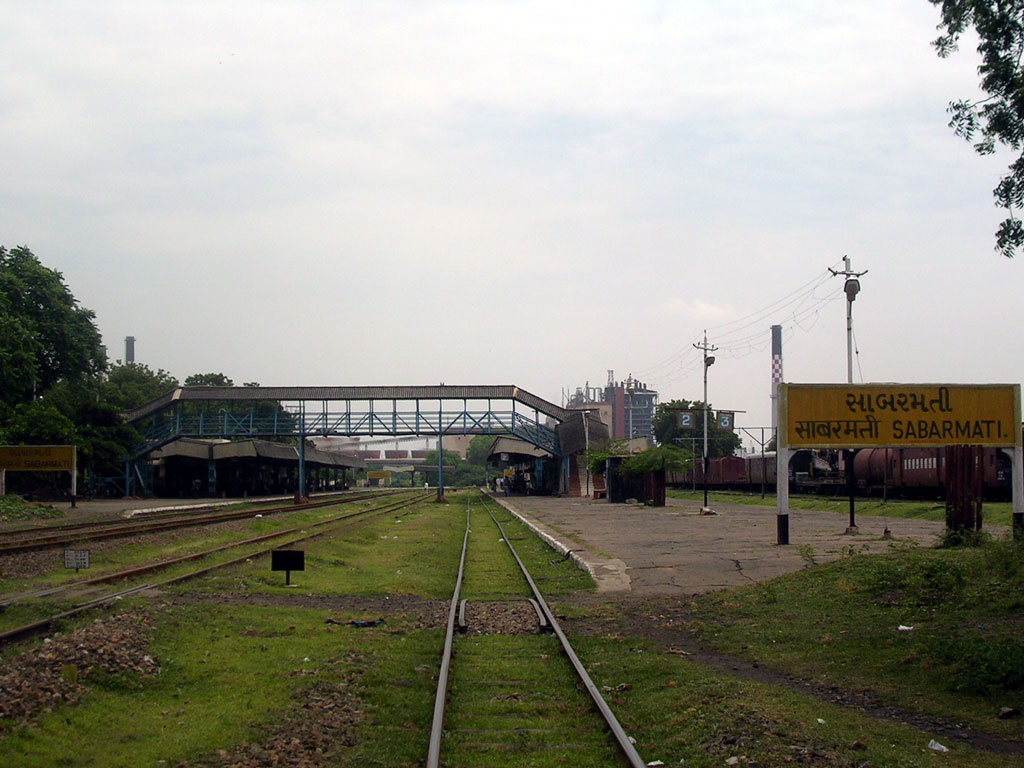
(950, 539)
(980, 661)
(919, 578)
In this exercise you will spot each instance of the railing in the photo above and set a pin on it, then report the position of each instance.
(163, 427)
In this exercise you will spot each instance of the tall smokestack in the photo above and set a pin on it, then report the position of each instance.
(129, 349)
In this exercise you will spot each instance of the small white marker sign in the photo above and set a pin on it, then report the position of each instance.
(76, 558)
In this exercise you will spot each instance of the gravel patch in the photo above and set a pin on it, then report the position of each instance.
(47, 676)
(501, 618)
(321, 722)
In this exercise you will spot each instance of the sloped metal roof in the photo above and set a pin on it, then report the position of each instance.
(513, 445)
(253, 448)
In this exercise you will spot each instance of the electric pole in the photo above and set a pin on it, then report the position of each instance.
(708, 362)
(851, 288)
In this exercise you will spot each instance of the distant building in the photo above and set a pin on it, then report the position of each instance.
(627, 407)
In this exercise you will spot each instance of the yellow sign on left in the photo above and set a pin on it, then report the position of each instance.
(37, 458)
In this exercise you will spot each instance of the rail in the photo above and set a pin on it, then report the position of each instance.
(437, 725)
(342, 520)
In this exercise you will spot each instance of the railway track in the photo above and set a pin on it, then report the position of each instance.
(50, 537)
(326, 526)
(460, 736)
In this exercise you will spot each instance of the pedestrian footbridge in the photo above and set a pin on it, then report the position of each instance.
(285, 412)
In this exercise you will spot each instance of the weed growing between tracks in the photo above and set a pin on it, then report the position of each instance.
(515, 701)
(233, 650)
(46, 567)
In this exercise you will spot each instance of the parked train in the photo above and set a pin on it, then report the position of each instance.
(908, 472)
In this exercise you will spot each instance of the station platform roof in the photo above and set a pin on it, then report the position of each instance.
(217, 450)
(519, 448)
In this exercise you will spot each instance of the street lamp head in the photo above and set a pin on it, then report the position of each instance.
(852, 288)
(709, 360)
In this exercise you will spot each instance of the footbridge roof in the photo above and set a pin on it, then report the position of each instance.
(298, 394)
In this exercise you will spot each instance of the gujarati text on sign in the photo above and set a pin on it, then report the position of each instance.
(37, 458)
(855, 416)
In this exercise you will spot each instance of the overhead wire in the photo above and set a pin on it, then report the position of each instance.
(805, 318)
(662, 370)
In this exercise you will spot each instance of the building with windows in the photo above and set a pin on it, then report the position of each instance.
(627, 407)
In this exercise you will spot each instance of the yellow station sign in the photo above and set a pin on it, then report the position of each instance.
(378, 475)
(37, 458)
(865, 415)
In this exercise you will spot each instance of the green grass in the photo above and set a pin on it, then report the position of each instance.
(515, 702)
(684, 713)
(839, 623)
(225, 674)
(994, 513)
(231, 673)
(492, 573)
(408, 552)
(13, 507)
(186, 542)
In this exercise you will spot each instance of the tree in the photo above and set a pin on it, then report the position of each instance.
(479, 449)
(104, 440)
(451, 458)
(662, 458)
(999, 118)
(721, 442)
(209, 380)
(38, 423)
(44, 335)
(133, 384)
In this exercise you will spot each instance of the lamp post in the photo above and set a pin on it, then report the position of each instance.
(709, 360)
(851, 287)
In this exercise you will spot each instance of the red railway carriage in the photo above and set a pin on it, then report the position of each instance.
(723, 472)
(915, 472)
(762, 468)
(922, 471)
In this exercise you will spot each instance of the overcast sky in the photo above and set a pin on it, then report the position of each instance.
(527, 193)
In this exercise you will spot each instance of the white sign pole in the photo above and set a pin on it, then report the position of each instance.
(1018, 481)
(782, 455)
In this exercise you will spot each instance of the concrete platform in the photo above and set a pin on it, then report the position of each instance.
(128, 507)
(676, 550)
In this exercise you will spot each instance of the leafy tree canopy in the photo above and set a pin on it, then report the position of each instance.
(451, 458)
(44, 335)
(38, 423)
(210, 380)
(721, 442)
(998, 118)
(479, 449)
(598, 455)
(662, 457)
(134, 384)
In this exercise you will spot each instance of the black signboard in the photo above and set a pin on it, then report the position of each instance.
(288, 560)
